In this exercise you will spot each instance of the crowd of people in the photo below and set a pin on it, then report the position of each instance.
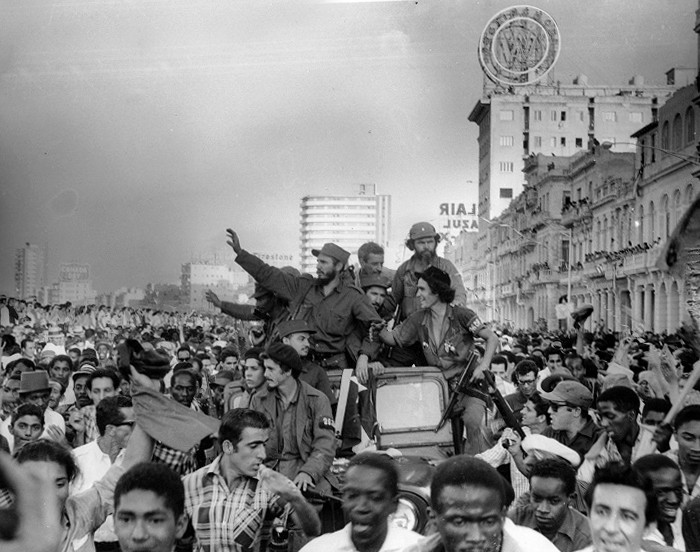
(134, 429)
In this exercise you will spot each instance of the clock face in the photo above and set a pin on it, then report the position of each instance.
(519, 45)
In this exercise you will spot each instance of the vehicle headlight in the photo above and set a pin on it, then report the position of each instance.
(407, 515)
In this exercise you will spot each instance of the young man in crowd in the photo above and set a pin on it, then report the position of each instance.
(226, 501)
(622, 506)
(101, 383)
(115, 421)
(35, 389)
(525, 376)
(302, 439)
(499, 369)
(296, 334)
(624, 439)
(370, 496)
(687, 456)
(665, 476)
(552, 483)
(468, 506)
(27, 425)
(149, 509)
(571, 423)
(655, 411)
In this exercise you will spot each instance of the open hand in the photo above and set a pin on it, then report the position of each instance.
(233, 241)
(303, 481)
(213, 298)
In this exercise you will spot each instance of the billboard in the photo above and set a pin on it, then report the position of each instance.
(73, 272)
(456, 217)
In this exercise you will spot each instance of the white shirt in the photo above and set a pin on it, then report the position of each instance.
(340, 541)
(93, 464)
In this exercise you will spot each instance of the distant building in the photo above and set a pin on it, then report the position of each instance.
(347, 220)
(74, 284)
(198, 277)
(557, 120)
(30, 271)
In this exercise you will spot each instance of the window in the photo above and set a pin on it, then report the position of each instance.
(552, 115)
(553, 142)
(664, 135)
(506, 141)
(581, 116)
(579, 142)
(506, 114)
(505, 166)
(538, 141)
(537, 115)
(610, 116)
(562, 141)
(636, 117)
(689, 125)
(506, 193)
(677, 131)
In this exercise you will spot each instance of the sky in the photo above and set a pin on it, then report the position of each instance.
(134, 132)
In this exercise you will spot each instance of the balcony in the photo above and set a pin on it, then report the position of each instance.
(507, 290)
(574, 215)
(636, 263)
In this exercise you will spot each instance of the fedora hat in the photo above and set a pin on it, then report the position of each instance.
(31, 382)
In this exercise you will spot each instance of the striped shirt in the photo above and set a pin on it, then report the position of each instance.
(227, 519)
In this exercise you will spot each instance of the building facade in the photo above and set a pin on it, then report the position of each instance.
(30, 271)
(557, 120)
(590, 227)
(348, 221)
(198, 277)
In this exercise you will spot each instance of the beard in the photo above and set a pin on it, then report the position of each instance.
(427, 256)
(326, 278)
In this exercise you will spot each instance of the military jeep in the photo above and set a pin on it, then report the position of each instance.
(409, 403)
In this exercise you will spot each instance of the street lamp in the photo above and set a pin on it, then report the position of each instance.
(688, 158)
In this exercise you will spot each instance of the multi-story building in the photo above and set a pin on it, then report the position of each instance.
(198, 277)
(30, 271)
(348, 220)
(557, 120)
(591, 227)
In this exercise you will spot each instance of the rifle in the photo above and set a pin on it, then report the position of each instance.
(459, 389)
(502, 406)
(499, 401)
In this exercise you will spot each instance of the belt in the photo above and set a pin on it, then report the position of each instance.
(329, 360)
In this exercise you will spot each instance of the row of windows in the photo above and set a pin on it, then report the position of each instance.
(561, 116)
(678, 138)
(555, 141)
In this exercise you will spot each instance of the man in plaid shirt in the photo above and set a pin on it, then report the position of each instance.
(228, 500)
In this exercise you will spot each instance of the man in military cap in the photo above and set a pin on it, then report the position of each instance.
(334, 308)
(422, 240)
(296, 333)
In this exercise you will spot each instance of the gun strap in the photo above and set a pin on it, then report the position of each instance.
(342, 400)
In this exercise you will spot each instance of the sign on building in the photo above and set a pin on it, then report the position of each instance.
(455, 217)
(73, 272)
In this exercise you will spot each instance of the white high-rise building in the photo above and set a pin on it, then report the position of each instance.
(30, 270)
(557, 120)
(347, 220)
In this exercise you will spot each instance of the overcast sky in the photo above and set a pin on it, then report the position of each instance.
(132, 133)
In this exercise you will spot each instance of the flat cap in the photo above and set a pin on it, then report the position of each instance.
(570, 392)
